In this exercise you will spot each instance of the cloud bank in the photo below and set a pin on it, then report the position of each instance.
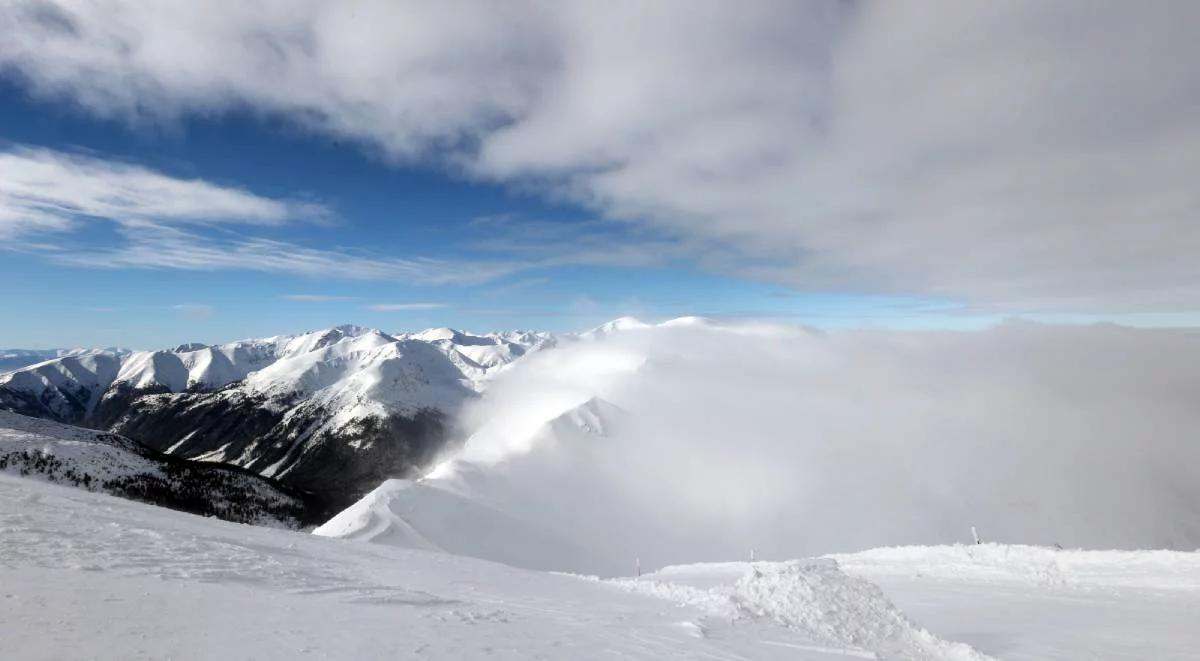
(700, 442)
(1018, 155)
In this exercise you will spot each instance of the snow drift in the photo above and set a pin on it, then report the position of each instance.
(696, 440)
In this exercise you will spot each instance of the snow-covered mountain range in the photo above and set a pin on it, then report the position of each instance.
(332, 412)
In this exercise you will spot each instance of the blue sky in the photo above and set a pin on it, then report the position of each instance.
(168, 175)
(380, 209)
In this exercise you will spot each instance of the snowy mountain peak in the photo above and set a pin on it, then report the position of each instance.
(614, 326)
(190, 346)
(351, 329)
(435, 334)
(689, 321)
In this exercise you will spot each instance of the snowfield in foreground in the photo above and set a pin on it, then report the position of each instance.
(85, 575)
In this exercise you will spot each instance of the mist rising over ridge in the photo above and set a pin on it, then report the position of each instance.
(683, 442)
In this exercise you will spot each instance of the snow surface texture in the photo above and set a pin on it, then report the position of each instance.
(84, 458)
(87, 575)
(695, 440)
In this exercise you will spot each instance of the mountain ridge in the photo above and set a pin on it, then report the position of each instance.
(332, 412)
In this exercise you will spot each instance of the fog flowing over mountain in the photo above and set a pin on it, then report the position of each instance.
(682, 441)
(695, 440)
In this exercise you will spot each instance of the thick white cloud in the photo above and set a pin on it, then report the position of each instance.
(1022, 155)
(713, 440)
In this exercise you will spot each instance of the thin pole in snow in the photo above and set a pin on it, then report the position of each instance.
(637, 566)
(751, 555)
(975, 535)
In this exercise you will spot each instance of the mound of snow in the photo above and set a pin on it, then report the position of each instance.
(818, 598)
(842, 613)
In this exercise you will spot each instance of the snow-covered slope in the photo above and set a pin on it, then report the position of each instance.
(183, 587)
(66, 389)
(334, 411)
(481, 357)
(98, 461)
(519, 512)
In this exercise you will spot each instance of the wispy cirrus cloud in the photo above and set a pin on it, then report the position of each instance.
(563, 242)
(44, 189)
(152, 246)
(195, 310)
(406, 307)
(497, 249)
(165, 222)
